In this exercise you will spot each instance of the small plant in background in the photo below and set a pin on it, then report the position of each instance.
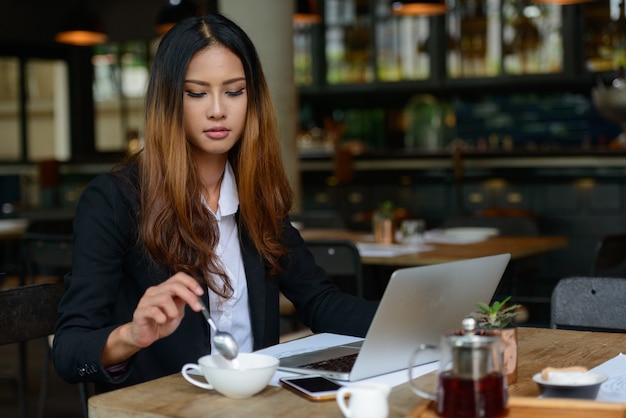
(496, 315)
(383, 223)
(386, 210)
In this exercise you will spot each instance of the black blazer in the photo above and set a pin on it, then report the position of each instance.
(111, 271)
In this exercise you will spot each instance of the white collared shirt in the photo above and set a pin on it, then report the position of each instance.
(233, 314)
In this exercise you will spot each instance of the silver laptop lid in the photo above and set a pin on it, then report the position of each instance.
(418, 306)
(422, 303)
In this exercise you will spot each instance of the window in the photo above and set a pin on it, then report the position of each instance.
(47, 110)
(11, 148)
(43, 133)
(120, 81)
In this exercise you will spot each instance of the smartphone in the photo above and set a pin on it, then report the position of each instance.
(312, 387)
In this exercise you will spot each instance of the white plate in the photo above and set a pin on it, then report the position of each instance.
(583, 385)
(471, 232)
(577, 379)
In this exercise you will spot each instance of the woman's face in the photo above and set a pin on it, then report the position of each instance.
(215, 100)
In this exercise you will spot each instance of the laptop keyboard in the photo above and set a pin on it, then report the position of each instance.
(340, 364)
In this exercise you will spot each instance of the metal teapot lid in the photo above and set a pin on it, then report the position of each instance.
(470, 336)
(472, 351)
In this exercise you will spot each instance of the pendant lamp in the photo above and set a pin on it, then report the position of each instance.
(306, 12)
(562, 2)
(418, 7)
(173, 12)
(83, 27)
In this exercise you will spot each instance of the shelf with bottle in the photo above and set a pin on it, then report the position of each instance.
(605, 35)
(519, 48)
(523, 122)
(364, 41)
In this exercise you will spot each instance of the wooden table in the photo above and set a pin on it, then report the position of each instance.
(172, 396)
(518, 247)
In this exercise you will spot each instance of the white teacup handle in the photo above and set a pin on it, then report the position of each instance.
(342, 394)
(192, 366)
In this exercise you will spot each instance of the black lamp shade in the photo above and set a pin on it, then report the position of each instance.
(419, 7)
(562, 2)
(173, 12)
(83, 27)
(306, 12)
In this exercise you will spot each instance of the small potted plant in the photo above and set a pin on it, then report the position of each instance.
(499, 319)
(497, 315)
(383, 223)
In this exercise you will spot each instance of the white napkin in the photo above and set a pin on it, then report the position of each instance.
(614, 389)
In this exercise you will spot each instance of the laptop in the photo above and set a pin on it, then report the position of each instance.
(418, 306)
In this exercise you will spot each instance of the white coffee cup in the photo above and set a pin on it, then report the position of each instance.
(241, 378)
(367, 400)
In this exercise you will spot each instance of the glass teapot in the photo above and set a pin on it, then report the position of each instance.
(471, 381)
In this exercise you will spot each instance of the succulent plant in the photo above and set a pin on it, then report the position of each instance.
(496, 315)
(386, 210)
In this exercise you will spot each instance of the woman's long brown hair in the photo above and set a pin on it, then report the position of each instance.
(176, 228)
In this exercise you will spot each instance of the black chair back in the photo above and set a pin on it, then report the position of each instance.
(589, 303)
(47, 248)
(342, 262)
(610, 256)
(28, 312)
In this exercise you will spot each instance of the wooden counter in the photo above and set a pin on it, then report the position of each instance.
(472, 160)
(12, 229)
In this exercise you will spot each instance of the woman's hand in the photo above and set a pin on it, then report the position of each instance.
(157, 315)
(162, 307)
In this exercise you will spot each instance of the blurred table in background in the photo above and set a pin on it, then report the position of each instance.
(12, 228)
(518, 247)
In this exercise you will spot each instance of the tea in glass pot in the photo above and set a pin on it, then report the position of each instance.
(471, 381)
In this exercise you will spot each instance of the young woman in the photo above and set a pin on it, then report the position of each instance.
(201, 211)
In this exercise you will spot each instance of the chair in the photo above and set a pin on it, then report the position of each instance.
(589, 303)
(342, 262)
(47, 249)
(609, 259)
(27, 313)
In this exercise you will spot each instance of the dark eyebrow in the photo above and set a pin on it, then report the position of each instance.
(225, 83)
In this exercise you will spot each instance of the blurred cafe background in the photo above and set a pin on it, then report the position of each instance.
(451, 109)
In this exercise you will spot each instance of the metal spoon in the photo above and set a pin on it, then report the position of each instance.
(224, 342)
